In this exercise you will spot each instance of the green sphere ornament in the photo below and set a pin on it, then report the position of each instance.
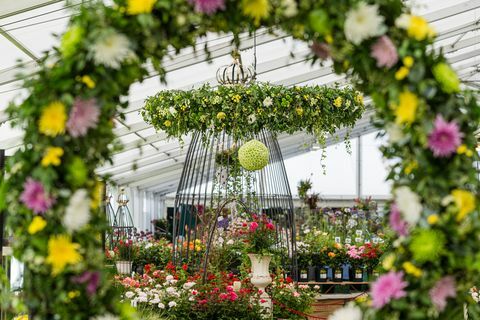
(253, 155)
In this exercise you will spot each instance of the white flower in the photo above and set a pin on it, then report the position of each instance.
(111, 50)
(77, 213)
(155, 300)
(394, 133)
(363, 22)
(267, 102)
(169, 277)
(161, 305)
(172, 304)
(230, 242)
(252, 118)
(171, 291)
(172, 111)
(221, 240)
(408, 203)
(290, 7)
(316, 287)
(403, 22)
(129, 294)
(349, 312)
(220, 218)
(188, 285)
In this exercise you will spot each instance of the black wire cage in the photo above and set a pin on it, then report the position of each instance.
(214, 190)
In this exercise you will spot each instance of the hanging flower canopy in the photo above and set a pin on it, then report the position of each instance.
(243, 111)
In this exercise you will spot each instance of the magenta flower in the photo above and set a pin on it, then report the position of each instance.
(253, 226)
(384, 52)
(443, 289)
(208, 6)
(34, 196)
(388, 287)
(397, 223)
(91, 278)
(445, 137)
(270, 226)
(83, 116)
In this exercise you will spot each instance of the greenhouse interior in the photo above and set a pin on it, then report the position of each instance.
(239, 159)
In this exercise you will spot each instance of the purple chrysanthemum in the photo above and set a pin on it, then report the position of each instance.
(83, 116)
(445, 137)
(443, 289)
(34, 196)
(208, 6)
(397, 224)
(388, 287)
(91, 278)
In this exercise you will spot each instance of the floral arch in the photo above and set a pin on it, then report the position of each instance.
(385, 51)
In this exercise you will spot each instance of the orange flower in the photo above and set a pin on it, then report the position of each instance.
(338, 245)
(331, 255)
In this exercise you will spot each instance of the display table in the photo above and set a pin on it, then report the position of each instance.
(328, 286)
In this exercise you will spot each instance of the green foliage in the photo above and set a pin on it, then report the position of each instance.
(245, 110)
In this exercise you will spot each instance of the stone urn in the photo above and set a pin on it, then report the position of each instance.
(261, 279)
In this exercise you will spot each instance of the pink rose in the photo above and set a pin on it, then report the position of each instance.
(253, 226)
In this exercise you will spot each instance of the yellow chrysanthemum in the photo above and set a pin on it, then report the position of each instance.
(73, 294)
(299, 111)
(62, 252)
(419, 29)
(256, 9)
(37, 224)
(408, 61)
(406, 110)
(52, 156)
(167, 123)
(410, 268)
(53, 119)
(465, 201)
(22, 317)
(338, 102)
(359, 98)
(88, 81)
(433, 219)
(402, 73)
(135, 7)
(97, 195)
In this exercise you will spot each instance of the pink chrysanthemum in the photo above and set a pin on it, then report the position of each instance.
(34, 196)
(443, 289)
(208, 6)
(83, 116)
(445, 137)
(384, 52)
(397, 224)
(388, 287)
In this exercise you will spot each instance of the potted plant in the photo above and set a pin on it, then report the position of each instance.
(260, 241)
(356, 262)
(335, 261)
(304, 261)
(124, 255)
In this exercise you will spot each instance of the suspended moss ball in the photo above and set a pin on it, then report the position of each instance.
(253, 155)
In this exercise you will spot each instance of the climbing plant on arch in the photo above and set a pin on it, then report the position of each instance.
(53, 199)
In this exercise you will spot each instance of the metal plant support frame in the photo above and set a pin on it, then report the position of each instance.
(208, 187)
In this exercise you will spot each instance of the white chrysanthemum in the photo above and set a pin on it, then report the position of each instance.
(230, 242)
(111, 50)
(349, 312)
(408, 203)
(403, 21)
(77, 213)
(172, 111)
(394, 133)
(363, 22)
(129, 294)
(267, 102)
(188, 285)
(290, 7)
(161, 305)
(252, 118)
(172, 304)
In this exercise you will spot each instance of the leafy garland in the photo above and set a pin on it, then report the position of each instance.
(243, 111)
(431, 125)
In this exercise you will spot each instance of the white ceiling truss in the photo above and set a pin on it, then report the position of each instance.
(159, 161)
